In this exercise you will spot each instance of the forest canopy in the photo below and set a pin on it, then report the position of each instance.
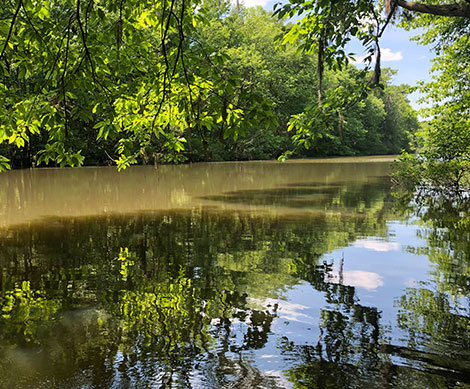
(169, 81)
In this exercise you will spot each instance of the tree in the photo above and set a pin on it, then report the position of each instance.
(280, 78)
(130, 72)
(442, 165)
(444, 154)
(169, 81)
(327, 27)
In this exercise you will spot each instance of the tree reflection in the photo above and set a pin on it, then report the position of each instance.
(168, 309)
(356, 350)
(435, 314)
(348, 351)
(187, 299)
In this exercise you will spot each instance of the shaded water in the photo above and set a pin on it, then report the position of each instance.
(233, 275)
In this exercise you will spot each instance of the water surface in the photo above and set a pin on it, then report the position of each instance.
(230, 275)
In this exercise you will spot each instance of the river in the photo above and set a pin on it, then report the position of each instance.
(302, 274)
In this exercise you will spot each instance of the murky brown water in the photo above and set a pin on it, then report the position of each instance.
(29, 195)
(236, 275)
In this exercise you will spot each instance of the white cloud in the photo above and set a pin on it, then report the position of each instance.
(387, 55)
(376, 245)
(290, 311)
(285, 309)
(362, 279)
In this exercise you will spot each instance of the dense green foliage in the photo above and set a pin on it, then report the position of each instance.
(443, 159)
(381, 123)
(167, 81)
(118, 78)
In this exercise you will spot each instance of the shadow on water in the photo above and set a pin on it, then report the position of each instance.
(310, 196)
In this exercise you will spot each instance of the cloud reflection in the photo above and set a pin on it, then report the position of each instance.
(285, 309)
(376, 245)
(358, 278)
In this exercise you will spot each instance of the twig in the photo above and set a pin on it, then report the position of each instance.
(87, 51)
(64, 73)
(12, 24)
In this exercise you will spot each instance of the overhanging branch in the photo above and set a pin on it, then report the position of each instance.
(12, 24)
(449, 10)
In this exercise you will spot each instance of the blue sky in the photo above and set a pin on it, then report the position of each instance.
(398, 52)
(412, 61)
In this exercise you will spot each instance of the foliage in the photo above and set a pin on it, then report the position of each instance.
(130, 74)
(354, 119)
(346, 118)
(168, 81)
(326, 29)
(442, 162)
(443, 159)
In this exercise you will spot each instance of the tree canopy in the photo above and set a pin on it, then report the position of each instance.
(325, 28)
(168, 80)
(132, 71)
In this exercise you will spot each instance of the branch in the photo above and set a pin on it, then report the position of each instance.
(64, 92)
(182, 38)
(47, 78)
(87, 51)
(391, 8)
(12, 24)
(450, 10)
(164, 30)
(377, 71)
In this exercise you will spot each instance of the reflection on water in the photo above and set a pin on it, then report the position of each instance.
(249, 275)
